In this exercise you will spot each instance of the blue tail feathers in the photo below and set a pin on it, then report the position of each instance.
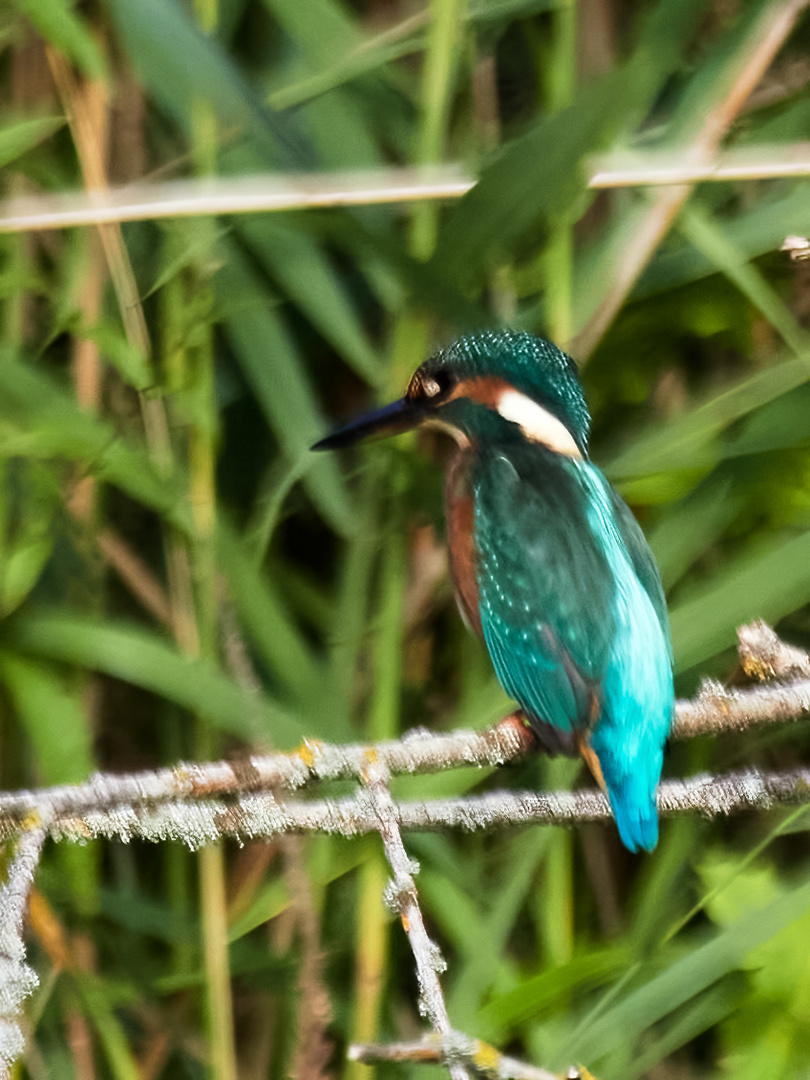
(631, 786)
(637, 821)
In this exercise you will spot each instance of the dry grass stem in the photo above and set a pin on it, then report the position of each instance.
(275, 192)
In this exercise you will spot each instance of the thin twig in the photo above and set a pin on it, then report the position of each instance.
(260, 815)
(719, 708)
(200, 804)
(716, 709)
(233, 195)
(455, 1046)
(274, 192)
(763, 655)
(401, 897)
(17, 980)
(417, 752)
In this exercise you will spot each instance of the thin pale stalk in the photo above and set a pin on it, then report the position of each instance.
(276, 193)
(371, 956)
(443, 47)
(219, 1003)
(199, 372)
(558, 257)
(372, 927)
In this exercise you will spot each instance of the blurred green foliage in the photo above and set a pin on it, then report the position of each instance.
(180, 577)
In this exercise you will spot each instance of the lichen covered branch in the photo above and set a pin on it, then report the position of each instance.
(401, 897)
(17, 980)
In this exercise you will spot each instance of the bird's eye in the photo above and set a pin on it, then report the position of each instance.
(433, 386)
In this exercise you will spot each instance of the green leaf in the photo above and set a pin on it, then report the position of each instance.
(778, 425)
(307, 276)
(182, 67)
(492, 10)
(687, 977)
(53, 715)
(39, 419)
(291, 660)
(274, 370)
(147, 660)
(767, 585)
(131, 363)
(542, 172)
(696, 224)
(364, 57)
(756, 231)
(692, 440)
(546, 992)
(99, 1009)
(706, 1011)
(17, 138)
(274, 896)
(24, 564)
(689, 526)
(706, 95)
(521, 860)
(57, 22)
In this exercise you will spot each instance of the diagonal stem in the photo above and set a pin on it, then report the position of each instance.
(766, 38)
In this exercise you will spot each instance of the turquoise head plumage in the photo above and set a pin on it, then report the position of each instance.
(549, 564)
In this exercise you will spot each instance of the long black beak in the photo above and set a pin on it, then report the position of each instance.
(389, 420)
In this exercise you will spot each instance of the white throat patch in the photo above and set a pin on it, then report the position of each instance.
(537, 423)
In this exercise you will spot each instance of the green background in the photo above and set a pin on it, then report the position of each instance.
(181, 579)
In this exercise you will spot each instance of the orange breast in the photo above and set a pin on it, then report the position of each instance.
(460, 515)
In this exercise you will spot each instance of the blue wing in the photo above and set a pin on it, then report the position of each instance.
(545, 587)
(574, 618)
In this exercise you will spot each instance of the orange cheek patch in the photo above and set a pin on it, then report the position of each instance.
(486, 391)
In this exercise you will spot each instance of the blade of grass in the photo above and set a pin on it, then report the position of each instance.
(271, 365)
(693, 440)
(180, 65)
(696, 224)
(686, 977)
(147, 660)
(766, 585)
(17, 138)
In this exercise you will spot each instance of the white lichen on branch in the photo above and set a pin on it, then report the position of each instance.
(259, 798)
(260, 815)
(17, 980)
(133, 801)
(402, 898)
(454, 1046)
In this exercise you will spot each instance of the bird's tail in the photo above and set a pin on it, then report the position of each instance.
(631, 794)
(636, 814)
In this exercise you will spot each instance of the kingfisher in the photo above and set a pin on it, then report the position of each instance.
(548, 563)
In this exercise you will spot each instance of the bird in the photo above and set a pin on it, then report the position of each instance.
(548, 563)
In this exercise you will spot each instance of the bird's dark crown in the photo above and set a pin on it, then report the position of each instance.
(531, 365)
